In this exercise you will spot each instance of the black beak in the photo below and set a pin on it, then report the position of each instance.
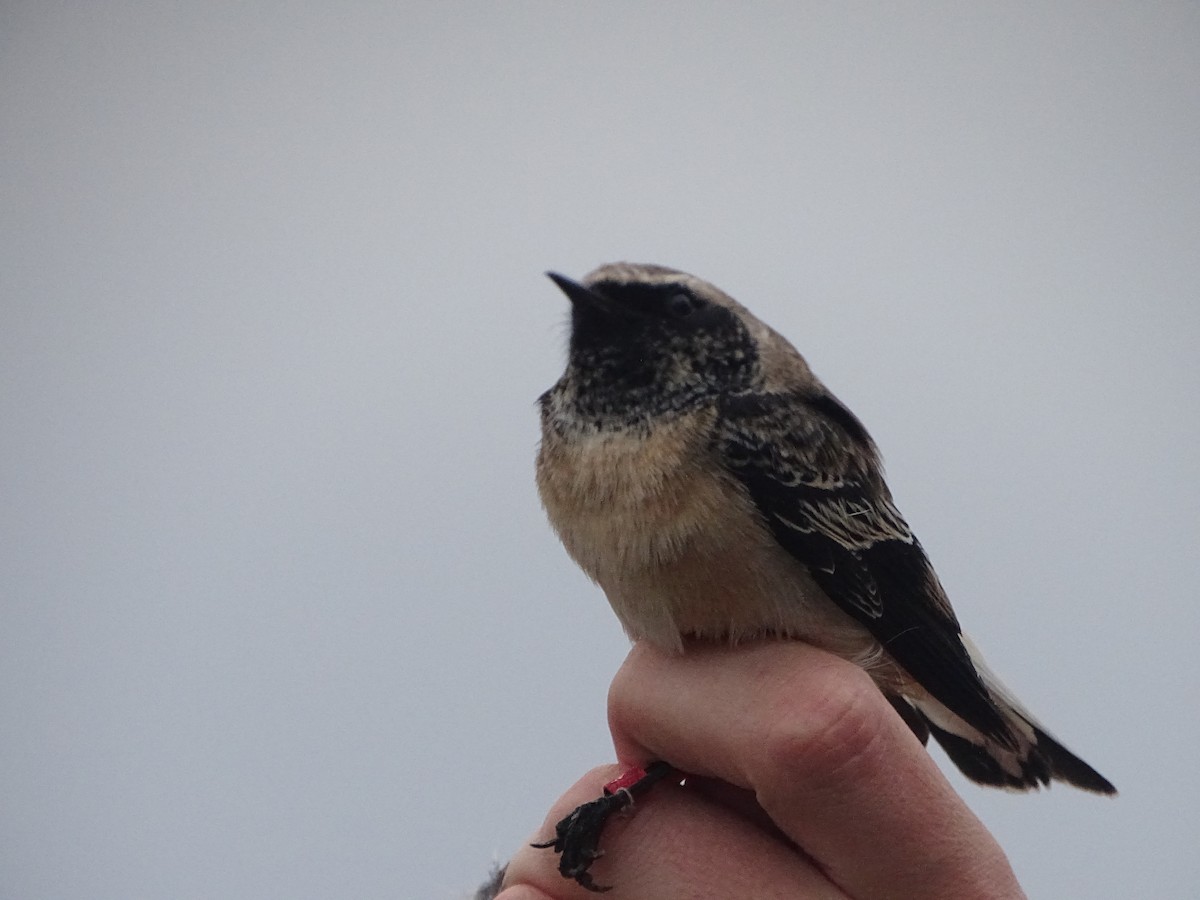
(585, 296)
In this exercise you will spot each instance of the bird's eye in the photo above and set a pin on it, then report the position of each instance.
(681, 305)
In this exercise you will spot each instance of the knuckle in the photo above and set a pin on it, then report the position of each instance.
(628, 692)
(835, 734)
(620, 705)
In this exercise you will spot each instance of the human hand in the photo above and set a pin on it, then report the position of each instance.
(803, 783)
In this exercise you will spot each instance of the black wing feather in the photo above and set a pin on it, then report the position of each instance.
(813, 472)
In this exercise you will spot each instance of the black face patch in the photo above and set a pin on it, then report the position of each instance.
(660, 349)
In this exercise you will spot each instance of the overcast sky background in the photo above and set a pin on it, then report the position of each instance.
(281, 616)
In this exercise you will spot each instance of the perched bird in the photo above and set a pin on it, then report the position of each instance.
(701, 474)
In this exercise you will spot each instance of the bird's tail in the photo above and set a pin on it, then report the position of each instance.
(1032, 758)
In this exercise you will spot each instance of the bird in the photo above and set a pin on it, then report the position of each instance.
(700, 473)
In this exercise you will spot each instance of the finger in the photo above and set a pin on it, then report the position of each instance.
(675, 844)
(827, 758)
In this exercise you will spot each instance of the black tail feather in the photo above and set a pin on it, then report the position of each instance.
(1066, 766)
(1043, 762)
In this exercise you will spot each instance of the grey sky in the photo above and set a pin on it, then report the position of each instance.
(281, 617)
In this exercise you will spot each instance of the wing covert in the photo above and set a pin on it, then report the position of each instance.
(814, 475)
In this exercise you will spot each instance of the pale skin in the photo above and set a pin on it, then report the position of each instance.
(793, 748)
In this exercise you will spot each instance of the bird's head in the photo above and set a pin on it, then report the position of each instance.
(648, 340)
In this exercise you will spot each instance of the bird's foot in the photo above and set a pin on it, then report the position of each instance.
(577, 837)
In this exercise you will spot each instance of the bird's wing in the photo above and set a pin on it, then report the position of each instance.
(813, 473)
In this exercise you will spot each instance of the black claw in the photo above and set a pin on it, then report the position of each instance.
(577, 837)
